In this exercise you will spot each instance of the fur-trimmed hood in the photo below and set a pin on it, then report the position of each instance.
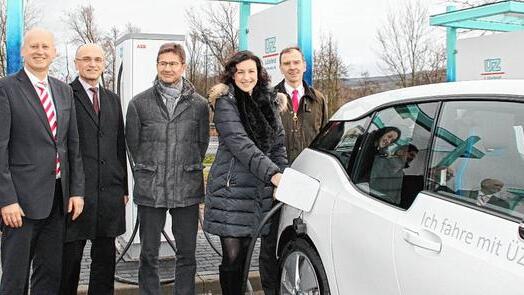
(220, 90)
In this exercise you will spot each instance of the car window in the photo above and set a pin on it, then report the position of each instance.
(391, 162)
(478, 155)
(339, 138)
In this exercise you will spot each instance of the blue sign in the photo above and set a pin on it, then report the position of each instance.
(492, 65)
(271, 45)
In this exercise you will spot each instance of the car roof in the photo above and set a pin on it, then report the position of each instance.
(359, 107)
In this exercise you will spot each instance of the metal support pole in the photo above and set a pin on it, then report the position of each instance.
(14, 32)
(451, 40)
(305, 33)
(245, 11)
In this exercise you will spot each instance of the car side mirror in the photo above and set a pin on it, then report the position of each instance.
(297, 189)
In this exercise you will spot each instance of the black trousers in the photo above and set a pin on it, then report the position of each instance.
(102, 273)
(39, 241)
(184, 228)
(269, 272)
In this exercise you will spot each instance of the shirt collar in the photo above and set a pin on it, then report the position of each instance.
(289, 89)
(86, 85)
(482, 194)
(34, 79)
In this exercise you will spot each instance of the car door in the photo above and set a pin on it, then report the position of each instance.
(367, 210)
(362, 244)
(461, 234)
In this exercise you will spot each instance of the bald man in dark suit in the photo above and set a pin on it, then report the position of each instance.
(41, 173)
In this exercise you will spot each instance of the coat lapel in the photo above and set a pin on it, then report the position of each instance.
(182, 105)
(32, 97)
(106, 107)
(83, 98)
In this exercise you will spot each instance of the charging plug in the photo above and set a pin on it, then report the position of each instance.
(299, 226)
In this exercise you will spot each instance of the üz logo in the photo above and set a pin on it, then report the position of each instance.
(271, 44)
(493, 65)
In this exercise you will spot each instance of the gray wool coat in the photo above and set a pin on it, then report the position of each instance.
(239, 189)
(168, 153)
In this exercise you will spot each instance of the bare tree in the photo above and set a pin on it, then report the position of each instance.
(81, 22)
(3, 49)
(471, 3)
(84, 29)
(366, 86)
(216, 27)
(407, 46)
(60, 66)
(109, 46)
(130, 28)
(197, 63)
(328, 71)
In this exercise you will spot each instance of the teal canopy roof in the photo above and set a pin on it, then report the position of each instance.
(504, 16)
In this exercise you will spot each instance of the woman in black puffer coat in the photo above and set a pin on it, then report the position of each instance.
(250, 159)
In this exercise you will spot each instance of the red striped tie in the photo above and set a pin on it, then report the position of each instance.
(49, 110)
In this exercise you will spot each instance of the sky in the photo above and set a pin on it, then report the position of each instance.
(353, 23)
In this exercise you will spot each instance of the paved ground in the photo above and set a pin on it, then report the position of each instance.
(206, 278)
(207, 269)
(207, 265)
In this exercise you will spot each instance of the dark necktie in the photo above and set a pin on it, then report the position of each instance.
(96, 102)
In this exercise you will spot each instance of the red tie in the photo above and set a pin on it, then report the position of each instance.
(49, 110)
(294, 101)
(96, 102)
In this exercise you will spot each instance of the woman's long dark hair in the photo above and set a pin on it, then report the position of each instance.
(377, 134)
(231, 68)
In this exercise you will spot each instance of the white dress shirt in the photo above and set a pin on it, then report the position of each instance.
(89, 92)
(34, 80)
(289, 90)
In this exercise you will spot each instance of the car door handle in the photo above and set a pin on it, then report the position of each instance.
(423, 239)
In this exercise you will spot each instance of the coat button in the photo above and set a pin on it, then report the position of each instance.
(100, 134)
(102, 162)
(102, 189)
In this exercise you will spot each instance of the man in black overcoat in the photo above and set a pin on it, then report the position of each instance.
(102, 143)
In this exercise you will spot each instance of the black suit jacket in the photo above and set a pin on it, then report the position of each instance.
(28, 151)
(102, 144)
(492, 201)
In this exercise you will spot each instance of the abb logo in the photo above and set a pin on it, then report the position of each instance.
(141, 46)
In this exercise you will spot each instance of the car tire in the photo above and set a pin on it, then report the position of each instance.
(300, 257)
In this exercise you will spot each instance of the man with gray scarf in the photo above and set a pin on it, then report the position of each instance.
(167, 131)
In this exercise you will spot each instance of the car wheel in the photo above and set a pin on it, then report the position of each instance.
(301, 271)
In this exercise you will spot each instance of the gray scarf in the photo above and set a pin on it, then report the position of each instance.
(170, 94)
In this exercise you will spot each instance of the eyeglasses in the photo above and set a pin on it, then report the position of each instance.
(87, 59)
(164, 64)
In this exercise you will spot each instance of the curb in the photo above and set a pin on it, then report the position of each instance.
(204, 284)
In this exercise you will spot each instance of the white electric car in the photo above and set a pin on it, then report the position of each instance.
(412, 191)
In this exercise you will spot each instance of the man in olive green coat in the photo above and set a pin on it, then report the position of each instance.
(306, 114)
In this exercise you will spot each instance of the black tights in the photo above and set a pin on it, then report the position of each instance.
(234, 251)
